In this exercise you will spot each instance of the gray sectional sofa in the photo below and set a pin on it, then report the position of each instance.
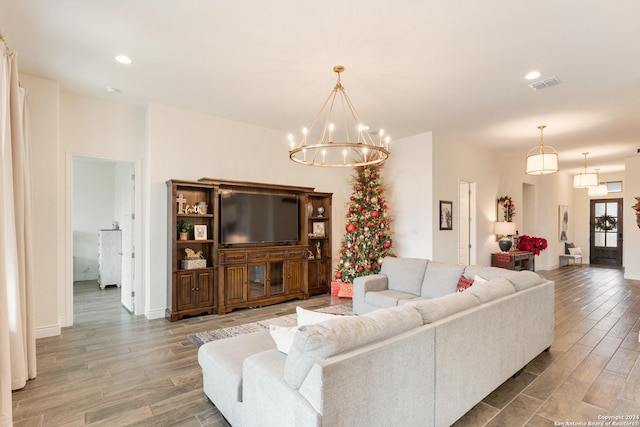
(419, 353)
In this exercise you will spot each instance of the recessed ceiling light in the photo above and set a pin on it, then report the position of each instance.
(123, 59)
(112, 89)
(533, 75)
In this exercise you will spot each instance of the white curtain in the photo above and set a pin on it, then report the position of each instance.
(17, 324)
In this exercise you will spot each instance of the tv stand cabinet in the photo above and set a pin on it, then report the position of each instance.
(240, 276)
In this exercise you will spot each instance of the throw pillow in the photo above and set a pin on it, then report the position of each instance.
(309, 317)
(464, 283)
(346, 290)
(575, 251)
(477, 279)
(567, 246)
(283, 335)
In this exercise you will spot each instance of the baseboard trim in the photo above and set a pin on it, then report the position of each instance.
(48, 331)
(155, 314)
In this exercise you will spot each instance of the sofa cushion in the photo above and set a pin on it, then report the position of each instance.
(492, 289)
(315, 342)
(384, 299)
(483, 271)
(440, 279)
(464, 283)
(223, 359)
(524, 279)
(438, 308)
(404, 274)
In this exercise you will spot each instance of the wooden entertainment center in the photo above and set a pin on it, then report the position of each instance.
(221, 277)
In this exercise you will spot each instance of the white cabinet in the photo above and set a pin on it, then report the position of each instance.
(109, 258)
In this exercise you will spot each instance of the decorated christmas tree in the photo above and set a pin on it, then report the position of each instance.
(367, 239)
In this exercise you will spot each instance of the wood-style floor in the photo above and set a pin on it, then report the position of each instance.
(115, 369)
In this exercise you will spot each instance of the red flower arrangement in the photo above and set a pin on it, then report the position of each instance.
(531, 244)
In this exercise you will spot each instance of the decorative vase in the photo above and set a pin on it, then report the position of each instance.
(184, 235)
(309, 209)
(504, 245)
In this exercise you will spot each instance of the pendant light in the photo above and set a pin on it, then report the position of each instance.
(542, 160)
(598, 190)
(585, 178)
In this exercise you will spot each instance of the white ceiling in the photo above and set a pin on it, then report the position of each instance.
(450, 66)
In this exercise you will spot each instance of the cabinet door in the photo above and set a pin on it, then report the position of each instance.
(295, 270)
(204, 288)
(276, 278)
(234, 283)
(186, 291)
(318, 276)
(257, 280)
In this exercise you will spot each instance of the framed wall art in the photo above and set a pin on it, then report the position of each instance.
(446, 215)
(318, 229)
(200, 232)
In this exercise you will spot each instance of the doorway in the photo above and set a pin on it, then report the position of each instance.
(606, 232)
(467, 224)
(104, 201)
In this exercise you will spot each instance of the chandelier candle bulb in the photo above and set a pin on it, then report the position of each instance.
(331, 132)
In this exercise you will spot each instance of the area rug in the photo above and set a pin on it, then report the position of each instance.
(200, 338)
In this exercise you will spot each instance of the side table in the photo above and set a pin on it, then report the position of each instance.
(514, 260)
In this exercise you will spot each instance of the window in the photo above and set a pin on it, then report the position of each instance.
(614, 187)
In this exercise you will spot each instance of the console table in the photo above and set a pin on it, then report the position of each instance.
(514, 260)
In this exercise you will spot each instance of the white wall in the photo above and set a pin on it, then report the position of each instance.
(93, 210)
(408, 177)
(188, 145)
(631, 188)
(455, 160)
(42, 106)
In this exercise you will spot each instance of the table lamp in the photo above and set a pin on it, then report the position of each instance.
(504, 230)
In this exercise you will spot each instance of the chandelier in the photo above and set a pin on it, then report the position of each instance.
(585, 178)
(344, 140)
(541, 160)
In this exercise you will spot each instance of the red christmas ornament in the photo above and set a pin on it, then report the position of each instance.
(360, 268)
(387, 245)
(339, 275)
(352, 198)
(368, 190)
(375, 214)
(369, 266)
(351, 228)
(370, 256)
(367, 224)
(378, 248)
(381, 234)
(372, 176)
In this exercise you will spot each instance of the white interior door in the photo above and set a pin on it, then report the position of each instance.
(125, 211)
(467, 223)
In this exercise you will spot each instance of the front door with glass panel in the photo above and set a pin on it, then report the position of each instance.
(606, 232)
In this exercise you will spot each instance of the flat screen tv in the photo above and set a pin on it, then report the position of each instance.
(258, 218)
